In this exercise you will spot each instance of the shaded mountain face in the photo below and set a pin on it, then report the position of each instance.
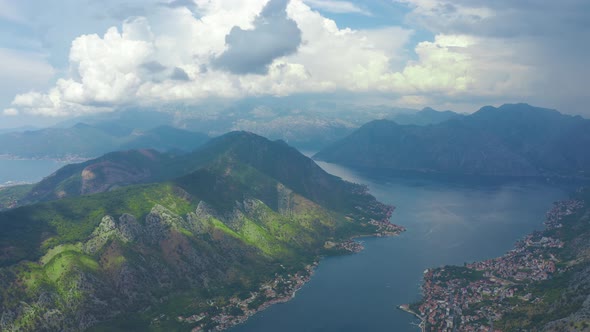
(425, 117)
(108, 172)
(213, 226)
(512, 140)
(85, 141)
(117, 169)
(165, 138)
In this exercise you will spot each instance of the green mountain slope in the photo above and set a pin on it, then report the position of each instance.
(275, 159)
(513, 140)
(217, 241)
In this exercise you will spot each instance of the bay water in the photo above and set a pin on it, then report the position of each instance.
(448, 222)
(27, 170)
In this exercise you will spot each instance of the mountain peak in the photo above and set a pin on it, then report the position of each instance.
(513, 139)
(428, 110)
(517, 108)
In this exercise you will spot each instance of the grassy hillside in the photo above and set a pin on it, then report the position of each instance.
(12, 195)
(218, 241)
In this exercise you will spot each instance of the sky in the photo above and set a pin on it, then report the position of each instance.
(65, 58)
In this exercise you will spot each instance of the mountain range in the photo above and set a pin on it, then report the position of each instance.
(426, 116)
(511, 140)
(87, 141)
(93, 135)
(144, 240)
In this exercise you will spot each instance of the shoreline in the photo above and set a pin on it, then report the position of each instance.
(9, 184)
(298, 280)
(65, 160)
(227, 321)
(406, 308)
(483, 285)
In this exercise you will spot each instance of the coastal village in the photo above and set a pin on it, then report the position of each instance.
(472, 297)
(385, 228)
(279, 290)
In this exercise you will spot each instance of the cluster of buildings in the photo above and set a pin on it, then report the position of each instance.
(385, 228)
(279, 290)
(561, 210)
(351, 246)
(472, 297)
(528, 261)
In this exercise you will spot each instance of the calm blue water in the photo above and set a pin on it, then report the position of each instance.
(448, 223)
(27, 170)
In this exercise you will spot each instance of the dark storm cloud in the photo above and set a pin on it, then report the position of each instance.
(252, 51)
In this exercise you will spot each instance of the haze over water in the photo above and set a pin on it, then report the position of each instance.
(27, 170)
(448, 223)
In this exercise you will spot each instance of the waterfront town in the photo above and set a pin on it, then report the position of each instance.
(279, 290)
(225, 315)
(472, 297)
(385, 228)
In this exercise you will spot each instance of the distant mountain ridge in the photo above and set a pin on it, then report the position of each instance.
(426, 116)
(512, 140)
(87, 141)
(302, 125)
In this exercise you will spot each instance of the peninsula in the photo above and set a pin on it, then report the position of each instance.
(541, 284)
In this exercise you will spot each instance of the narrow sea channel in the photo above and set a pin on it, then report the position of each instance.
(26, 170)
(448, 222)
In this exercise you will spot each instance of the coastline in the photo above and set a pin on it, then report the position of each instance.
(225, 321)
(406, 308)
(9, 184)
(65, 159)
(473, 297)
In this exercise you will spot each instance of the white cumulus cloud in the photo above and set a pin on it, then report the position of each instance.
(144, 59)
(180, 53)
(11, 112)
